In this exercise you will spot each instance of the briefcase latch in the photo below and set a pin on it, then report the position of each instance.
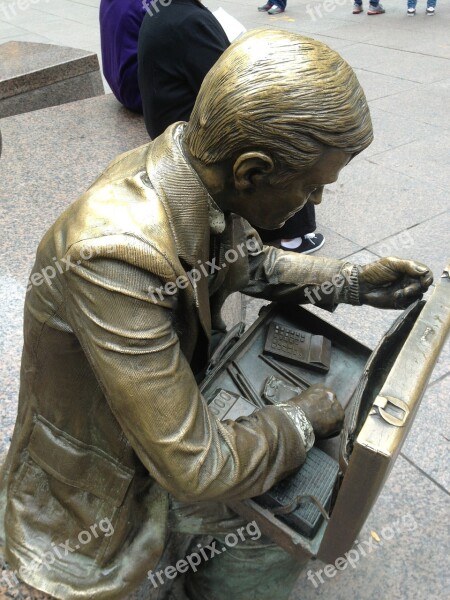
(396, 416)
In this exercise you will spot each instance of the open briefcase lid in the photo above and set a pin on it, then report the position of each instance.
(381, 392)
(382, 414)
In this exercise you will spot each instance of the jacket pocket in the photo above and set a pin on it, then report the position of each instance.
(67, 495)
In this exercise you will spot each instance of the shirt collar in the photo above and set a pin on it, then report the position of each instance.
(192, 212)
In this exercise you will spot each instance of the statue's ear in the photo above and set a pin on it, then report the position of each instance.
(250, 168)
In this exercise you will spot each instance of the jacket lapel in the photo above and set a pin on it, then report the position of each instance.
(185, 200)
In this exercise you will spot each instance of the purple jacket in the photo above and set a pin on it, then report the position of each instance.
(120, 21)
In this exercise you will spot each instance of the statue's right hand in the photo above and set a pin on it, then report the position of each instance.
(322, 409)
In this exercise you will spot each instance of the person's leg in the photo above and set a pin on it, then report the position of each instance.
(297, 233)
(375, 8)
(431, 6)
(304, 221)
(301, 223)
(240, 563)
(250, 570)
(357, 7)
(278, 6)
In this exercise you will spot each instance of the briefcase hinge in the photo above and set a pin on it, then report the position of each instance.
(381, 402)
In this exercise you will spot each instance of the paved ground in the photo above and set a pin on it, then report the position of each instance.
(392, 199)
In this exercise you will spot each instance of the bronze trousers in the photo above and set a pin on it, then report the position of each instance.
(237, 561)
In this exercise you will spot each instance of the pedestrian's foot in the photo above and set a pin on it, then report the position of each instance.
(376, 10)
(411, 12)
(357, 8)
(310, 242)
(265, 7)
(275, 10)
(430, 11)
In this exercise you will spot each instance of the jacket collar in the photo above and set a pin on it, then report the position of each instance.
(192, 213)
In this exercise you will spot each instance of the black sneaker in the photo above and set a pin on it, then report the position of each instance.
(311, 242)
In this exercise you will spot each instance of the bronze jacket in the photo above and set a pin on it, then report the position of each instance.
(110, 418)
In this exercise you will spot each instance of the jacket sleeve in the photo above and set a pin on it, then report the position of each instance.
(276, 274)
(132, 345)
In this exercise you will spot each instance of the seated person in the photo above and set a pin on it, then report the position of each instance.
(111, 424)
(177, 47)
(120, 21)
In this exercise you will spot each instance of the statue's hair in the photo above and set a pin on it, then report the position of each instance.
(281, 93)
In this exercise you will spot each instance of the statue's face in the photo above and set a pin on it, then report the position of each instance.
(270, 205)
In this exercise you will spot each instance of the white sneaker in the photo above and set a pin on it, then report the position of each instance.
(430, 11)
(411, 12)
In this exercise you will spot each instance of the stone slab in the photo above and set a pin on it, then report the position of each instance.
(336, 246)
(394, 131)
(8, 30)
(416, 159)
(26, 66)
(75, 11)
(418, 39)
(428, 442)
(233, 310)
(28, 36)
(371, 202)
(427, 242)
(66, 32)
(49, 158)
(25, 18)
(69, 90)
(397, 63)
(411, 559)
(428, 104)
(376, 85)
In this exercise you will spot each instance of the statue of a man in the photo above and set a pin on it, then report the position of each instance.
(114, 447)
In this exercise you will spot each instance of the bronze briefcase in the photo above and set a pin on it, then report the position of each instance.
(380, 391)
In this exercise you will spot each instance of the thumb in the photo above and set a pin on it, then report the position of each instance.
(408, 267)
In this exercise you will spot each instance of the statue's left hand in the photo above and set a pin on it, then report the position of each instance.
(393, 282)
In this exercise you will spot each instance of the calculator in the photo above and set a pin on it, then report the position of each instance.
(298, 347)
(227, 405)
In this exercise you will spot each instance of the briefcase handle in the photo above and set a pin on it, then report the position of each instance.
(229, 339)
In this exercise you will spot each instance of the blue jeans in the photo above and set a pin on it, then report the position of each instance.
(372, 2)
(430, 3)
(280, 3)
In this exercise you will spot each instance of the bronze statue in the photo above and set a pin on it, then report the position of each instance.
(114, 447)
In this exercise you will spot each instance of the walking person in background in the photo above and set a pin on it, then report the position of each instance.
(375, 8)
(431, 8)
(273, 7)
